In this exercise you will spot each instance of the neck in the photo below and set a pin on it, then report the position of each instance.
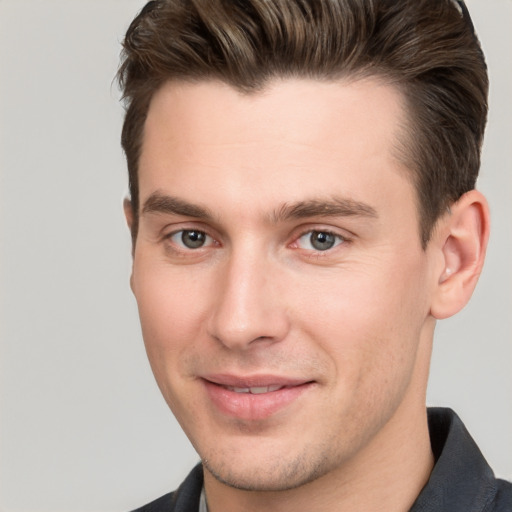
(379, 480)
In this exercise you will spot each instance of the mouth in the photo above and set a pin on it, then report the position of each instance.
(253, 398)
(255, 390)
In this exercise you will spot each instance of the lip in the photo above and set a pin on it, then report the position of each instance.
(253, 407)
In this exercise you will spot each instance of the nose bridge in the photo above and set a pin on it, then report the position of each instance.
(247, 306)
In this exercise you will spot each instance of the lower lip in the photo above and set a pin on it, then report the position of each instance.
(248, 406)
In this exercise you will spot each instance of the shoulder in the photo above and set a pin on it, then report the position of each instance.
(164, 503)
(502, 501)
(183, 499)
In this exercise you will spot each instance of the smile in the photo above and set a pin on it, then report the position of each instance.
(255, 398)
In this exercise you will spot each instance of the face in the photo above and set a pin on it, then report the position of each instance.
(281, 284)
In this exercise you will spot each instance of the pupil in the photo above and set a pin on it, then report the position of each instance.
(193, 239)
(322, 241)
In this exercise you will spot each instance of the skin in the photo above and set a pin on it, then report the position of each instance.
(354, 321)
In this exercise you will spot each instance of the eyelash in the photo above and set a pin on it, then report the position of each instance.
(338, 240)
(179, 248)
(183, 248)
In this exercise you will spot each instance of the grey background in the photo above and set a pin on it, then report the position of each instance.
(82, 425)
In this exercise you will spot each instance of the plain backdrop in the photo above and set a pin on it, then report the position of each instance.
(83, 426)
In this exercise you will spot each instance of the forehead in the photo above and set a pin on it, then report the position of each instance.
(216, 112)
(294, 137)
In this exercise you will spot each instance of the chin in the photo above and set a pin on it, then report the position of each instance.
(276, 475)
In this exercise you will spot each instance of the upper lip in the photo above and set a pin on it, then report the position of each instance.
(249, 381)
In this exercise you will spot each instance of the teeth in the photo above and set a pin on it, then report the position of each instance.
(256, 390)
(239, 390)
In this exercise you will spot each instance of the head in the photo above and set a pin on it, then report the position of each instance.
(291, 167)
(426, 49)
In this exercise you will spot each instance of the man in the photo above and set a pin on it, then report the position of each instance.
(302, 211)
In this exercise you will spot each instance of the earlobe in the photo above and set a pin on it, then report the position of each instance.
(463, 233)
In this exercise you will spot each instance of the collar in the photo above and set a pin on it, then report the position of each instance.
(461, 480)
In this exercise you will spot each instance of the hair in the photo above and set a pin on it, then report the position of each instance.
(426, 48)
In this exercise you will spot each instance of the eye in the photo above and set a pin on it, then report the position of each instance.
(191, 238)
(319, 240)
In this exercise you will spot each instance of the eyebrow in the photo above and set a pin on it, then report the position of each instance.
(161, 203)
(331, 207)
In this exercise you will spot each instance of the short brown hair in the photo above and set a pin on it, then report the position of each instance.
(427, 48)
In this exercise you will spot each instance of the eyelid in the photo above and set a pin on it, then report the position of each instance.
(323, 228)
(185, 225)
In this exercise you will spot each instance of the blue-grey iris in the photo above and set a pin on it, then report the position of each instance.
(193, 239)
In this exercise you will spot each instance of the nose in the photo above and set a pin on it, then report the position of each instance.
(249, 307)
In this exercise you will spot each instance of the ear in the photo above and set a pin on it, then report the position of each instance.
(462, 237)
(128, 212)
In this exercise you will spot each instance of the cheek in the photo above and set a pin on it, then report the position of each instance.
(170, 318)
(368, 321)
(170, 310)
